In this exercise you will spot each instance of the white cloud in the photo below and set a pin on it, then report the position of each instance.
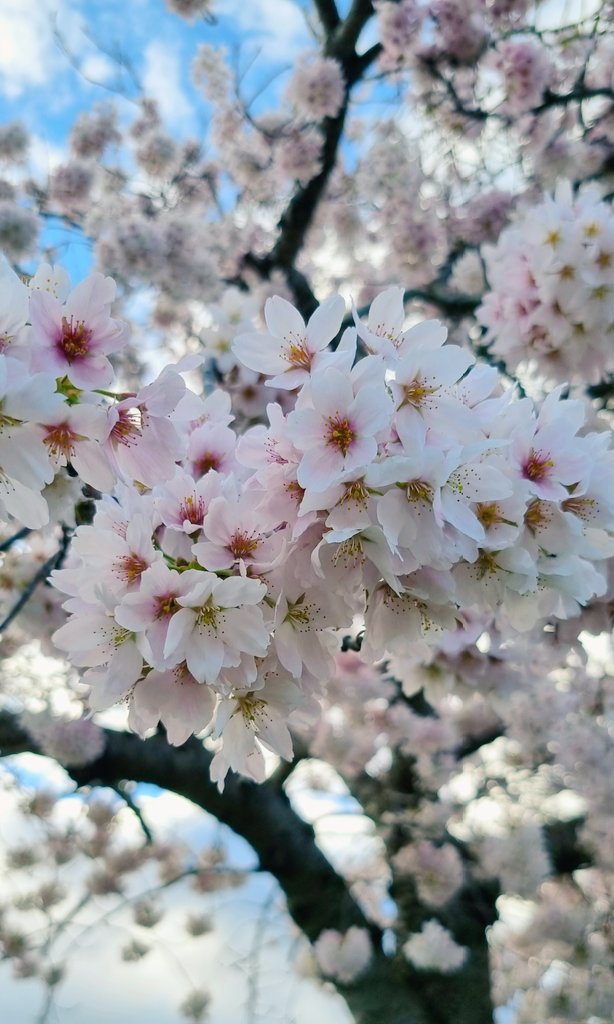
(98, 68)
(162, 82)
(45, 156)
(27, 52)
(277, 25)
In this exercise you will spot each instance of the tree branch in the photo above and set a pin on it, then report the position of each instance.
(46, 568)
(328, 14)
(300, 211)
(317, 897)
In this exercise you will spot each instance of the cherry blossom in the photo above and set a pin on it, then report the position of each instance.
(74, 338)
(290, 350)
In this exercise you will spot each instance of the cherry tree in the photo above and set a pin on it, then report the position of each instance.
(308, 486)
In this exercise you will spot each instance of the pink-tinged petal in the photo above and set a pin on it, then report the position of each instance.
(289, 380)
(320, 468)
(110, 685)
(89, 639)
(481, 482)
(92, 466)
(447, 366)
(46, 318)
(331, 392)
(246, 631)
(371, 410)
(27, 506)
(548, 490)
(287, 650)
(147, 696)
(362, 451)
(110, 336)
(179, 629)
(32, 399)
(458, 514)
(274, 733)
(259, 352)
(282, 319)
(212, 557)
(431, 334)
(192, 712)
(91, 295)
(89, 420)
(325, 323)
(47, 358)
(394, 517)
(238, 591)
(306, 429)
(24, 457)
(91, 372)
(163, 394)
(205, 657)
(145, 461)
(387, 313)
(134, 612)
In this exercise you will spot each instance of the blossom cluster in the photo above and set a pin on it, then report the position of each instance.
(551, 277)
(406, 487)
(57, 413)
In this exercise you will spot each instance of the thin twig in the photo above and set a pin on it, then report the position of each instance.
(47, 567)
(8, 543)
(122, 791)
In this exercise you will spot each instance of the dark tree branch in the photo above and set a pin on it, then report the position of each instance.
(122, 791)
(299, 214)
(317, 896)
(328, 14)
(453, 304)
(577, 95)
(344, 43)
(47, 567)
(8, 543)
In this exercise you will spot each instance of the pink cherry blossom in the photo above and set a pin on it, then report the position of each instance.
(290, 349)
(338, 434)
(73, 339)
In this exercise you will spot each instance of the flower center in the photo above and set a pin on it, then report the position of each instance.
(349, 553)
(295, 490)
(486, 564)
(298, 614)
(250, 707)
(356, 493)
(75, 339)
(536, 515)
(537, 465)
(192, 509)
(339, 433)
(207, 461)
(207, 615)
(489, 514)
(298, 355)
(416, 391)
(242, 544)
(130, 567)
(60, 440)
(418, 490)
(604, 260)
(120, 635)
(166, 605)
(128, 427)
(584, 508)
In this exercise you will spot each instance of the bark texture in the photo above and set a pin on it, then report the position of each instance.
(317, 896)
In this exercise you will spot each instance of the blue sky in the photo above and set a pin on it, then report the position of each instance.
(39, 86)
